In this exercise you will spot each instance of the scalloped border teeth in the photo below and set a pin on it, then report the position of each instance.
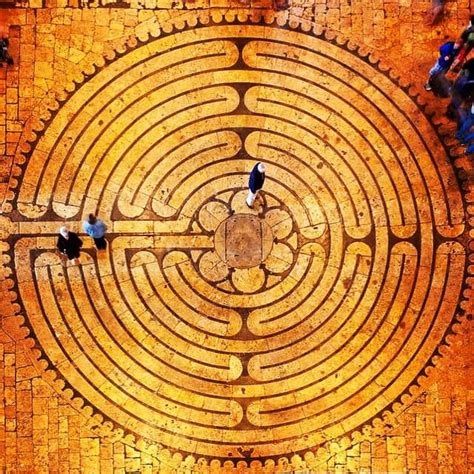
(309, 459)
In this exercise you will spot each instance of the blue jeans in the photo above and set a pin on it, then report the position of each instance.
(470, 149)
(437, 69)
(466, 124)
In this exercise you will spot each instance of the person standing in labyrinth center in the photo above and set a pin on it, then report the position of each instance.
(256, 180)
(96, 228)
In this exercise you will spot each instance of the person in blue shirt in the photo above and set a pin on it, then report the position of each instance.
(256, 180)
(95, 228)
(447, 54)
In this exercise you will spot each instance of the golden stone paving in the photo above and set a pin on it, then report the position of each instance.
(321, 330)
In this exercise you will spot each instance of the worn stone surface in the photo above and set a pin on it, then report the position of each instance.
(313, 352)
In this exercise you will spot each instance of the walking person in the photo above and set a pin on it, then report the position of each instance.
(256, 180)
(96, 228)
(447, 54)
(69, 244)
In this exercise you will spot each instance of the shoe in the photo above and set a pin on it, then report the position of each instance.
(427, 86)
(248, 205)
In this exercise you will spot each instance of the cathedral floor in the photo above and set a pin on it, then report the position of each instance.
(326, 329)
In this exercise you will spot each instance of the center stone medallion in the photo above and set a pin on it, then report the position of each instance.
(243, 241)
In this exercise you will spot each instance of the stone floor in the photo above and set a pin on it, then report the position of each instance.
(329, 329)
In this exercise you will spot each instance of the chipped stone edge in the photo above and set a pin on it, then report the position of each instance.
(381, 424)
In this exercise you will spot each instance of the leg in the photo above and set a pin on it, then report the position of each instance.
(251, 198)
(100, 243)
(103, 243)
(64, 258)
(456, 98)
(434, 71)
(470, 149)
(468, 138)
(76, 255)
(466, 125)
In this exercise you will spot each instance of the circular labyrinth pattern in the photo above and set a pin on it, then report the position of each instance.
(219, 330)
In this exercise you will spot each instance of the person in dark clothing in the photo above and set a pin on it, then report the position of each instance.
(465, 124)
(4, 56)
(69, 244)
(462, 92)
(256, 180)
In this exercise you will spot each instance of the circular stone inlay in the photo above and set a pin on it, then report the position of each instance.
(243, 241)
(360, 288)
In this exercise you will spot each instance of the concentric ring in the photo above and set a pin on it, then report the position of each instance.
(319, 336)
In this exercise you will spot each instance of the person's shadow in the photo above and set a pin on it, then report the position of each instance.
(435, 13)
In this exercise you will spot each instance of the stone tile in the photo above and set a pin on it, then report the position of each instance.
(193, 346)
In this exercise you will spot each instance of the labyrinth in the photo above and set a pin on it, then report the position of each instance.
(216, 329)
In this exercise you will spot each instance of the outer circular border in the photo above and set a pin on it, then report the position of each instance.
(380, 424)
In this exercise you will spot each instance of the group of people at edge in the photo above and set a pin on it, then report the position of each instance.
(454, 58)
(69, 243)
